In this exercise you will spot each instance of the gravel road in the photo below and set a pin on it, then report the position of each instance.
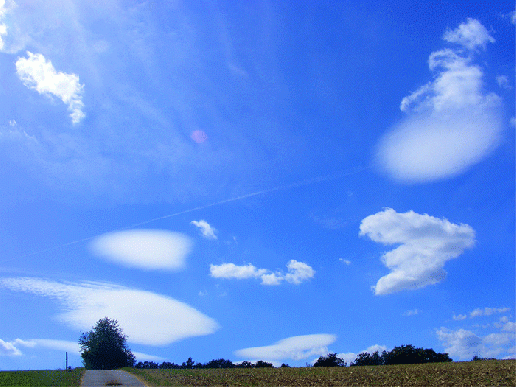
(99, 378)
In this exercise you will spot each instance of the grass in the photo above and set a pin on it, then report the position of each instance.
(42, 378)
(478, 373)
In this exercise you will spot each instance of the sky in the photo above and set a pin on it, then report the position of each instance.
(258, 180)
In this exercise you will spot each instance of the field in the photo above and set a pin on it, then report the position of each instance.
(41, 378)
(479, 373)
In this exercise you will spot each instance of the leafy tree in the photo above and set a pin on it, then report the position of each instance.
(219, 363)
(190, 364)
(105, 347)
(366, 359)
(245, 364)
(262, 364)
(330, 361)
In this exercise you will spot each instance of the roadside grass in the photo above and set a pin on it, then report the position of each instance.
(42, 378)
(478, 373)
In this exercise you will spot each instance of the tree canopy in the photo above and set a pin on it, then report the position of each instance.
(404, 354)
(105, 347)
(330, 361)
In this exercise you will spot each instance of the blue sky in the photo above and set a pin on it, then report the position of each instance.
(256, 180)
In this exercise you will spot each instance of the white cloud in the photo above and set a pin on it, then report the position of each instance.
(451, 124)
(207, 231)
(145, 249)
(4, 9)
(230, 270)
(160, 320)
(411, 312)
(471, 35)
(464, 344)
(8, 349)
(488, 311)
(426, 244)
(346, 261)
(296, 348)
(297, 273)
(459, 317)
(39, 74)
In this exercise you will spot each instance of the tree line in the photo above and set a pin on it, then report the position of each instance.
(404, 354)
(215, 363)
(105, 347)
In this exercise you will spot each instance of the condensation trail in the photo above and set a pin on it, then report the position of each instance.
(242, 197)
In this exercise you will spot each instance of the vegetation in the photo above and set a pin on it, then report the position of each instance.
(41, 378)
(474, 373)
(105, 347)
(330, 361)
(405, 354)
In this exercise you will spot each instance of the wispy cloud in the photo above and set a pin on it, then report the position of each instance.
(487, 311)
(144, 249)
(207, 231)
(426, 244)
(298, 272)
(39, 74)
(295, 348)
(160, 320)
(451, 122)
(464, 344)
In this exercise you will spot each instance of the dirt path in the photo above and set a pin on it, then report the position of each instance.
(101, 378)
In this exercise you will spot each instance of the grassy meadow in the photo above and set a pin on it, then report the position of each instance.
(41, 378)
(479, 373)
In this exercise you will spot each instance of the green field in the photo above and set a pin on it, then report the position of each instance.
(479, 373)
(41, 378)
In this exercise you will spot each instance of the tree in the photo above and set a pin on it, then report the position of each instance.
(105, 347)
(330, 361)
(366, 359)
(263, 364)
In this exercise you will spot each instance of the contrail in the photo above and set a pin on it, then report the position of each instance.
(242, 197)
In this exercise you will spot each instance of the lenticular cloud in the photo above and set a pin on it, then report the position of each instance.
(159, 320)
(451, 124)
(426, 243)
(144, 249)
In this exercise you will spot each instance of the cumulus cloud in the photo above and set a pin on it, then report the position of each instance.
(298, 272)
(160, 320)
(144, 249)
(459, 317)
(207, 231)
(5, 7)
(39, 74)
(464, 344)
(471, 35)
(295, 348)
(451, 123)
(426, 243)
